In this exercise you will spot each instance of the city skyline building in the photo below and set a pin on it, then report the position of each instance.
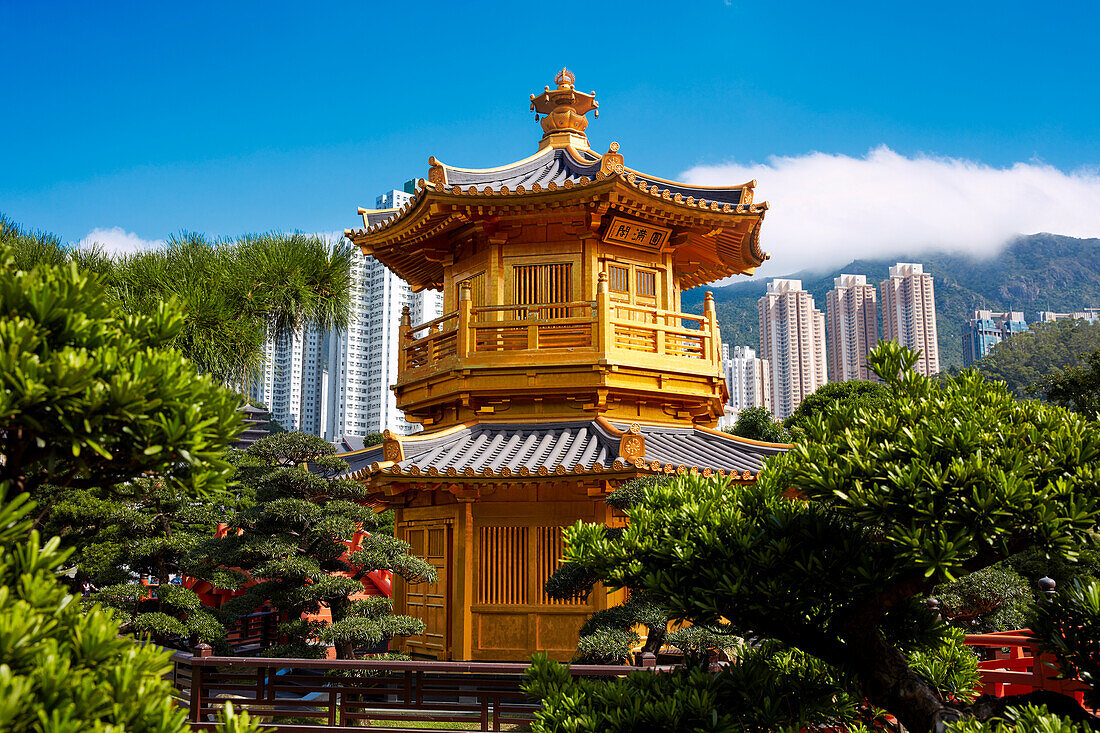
(792, 339)
(291, 378)
(362, 359)
(851, 327)
(909, 313)
(1092, 315)
(748, 378)
(987, 329)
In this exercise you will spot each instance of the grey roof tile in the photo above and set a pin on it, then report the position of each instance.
(533, 445)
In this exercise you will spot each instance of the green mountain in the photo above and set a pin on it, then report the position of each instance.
(1036, 272)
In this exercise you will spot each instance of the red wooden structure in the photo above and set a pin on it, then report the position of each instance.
(1012, 664)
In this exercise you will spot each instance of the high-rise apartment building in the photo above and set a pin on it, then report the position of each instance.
(291, 378)
(792, 339)
(747, 378)
(909, 313)
(987, 329)
(851, 327)
(362, 360)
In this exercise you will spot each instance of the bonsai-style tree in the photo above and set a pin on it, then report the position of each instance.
(942, 480)
(292, 546)
(130, 542)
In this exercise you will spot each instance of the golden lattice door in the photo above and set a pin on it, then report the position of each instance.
(428, 601)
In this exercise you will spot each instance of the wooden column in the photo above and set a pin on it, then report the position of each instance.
(714, 350)
(462, 589)
(403, 339)
(603, 316)
(463, 341)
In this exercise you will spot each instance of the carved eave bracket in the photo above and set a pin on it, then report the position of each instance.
(392, 449)
(612, 161)
(632, 444)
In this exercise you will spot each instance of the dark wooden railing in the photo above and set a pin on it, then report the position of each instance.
(300, 695)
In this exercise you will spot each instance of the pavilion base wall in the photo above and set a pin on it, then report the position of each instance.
(493, 556)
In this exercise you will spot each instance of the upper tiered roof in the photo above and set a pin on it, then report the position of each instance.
(719, 226)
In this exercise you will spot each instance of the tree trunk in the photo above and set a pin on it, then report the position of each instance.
(889, 683)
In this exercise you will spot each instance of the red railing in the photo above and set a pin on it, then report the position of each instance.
(1011, 663)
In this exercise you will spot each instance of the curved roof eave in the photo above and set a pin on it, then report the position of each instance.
(378, 220)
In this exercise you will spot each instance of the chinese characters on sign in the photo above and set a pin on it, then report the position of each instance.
(625, 231)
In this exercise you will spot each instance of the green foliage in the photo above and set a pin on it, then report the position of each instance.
(1026, 719)
(698, 641)
(93, 398)
(293, 540)
(944, 479)
(235, 293)
(1028, 361)
(756, 423)
(768, 688)
(116, 436)
(996, 598)
(608, 636)
(860, 392)
(950, 667)
(1076, 387)
(63, 667)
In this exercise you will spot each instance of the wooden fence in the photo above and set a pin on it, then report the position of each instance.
(300, 695)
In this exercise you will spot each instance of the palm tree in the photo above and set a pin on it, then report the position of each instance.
(234, 293)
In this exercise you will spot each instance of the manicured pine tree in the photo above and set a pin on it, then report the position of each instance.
(129, 542)
(290, 549)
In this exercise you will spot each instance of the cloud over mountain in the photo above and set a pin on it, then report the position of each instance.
(830, 209)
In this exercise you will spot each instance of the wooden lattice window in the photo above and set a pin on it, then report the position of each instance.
(647, 284)
(502, 565)
(618, 279)
(542, 284)
(550, 550)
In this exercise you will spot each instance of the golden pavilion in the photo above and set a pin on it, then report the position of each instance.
(562, 367)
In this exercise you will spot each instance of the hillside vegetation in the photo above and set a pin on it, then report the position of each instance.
(1035, 272)
(1026, 360)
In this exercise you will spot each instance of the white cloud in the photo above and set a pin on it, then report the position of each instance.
(830, 209)
(117, 241)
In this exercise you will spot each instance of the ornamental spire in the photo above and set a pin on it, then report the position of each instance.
(563, 113)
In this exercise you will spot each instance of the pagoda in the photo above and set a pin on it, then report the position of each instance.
(563, 366)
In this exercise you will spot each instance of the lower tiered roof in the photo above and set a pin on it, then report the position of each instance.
(508, 450)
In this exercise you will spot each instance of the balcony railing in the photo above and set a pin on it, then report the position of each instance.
(633, 333)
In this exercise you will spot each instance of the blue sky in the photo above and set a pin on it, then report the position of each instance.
(234, 117)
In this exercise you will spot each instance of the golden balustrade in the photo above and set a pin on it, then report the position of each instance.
(600, 328)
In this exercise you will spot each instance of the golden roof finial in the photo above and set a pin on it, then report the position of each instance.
(563, 113)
